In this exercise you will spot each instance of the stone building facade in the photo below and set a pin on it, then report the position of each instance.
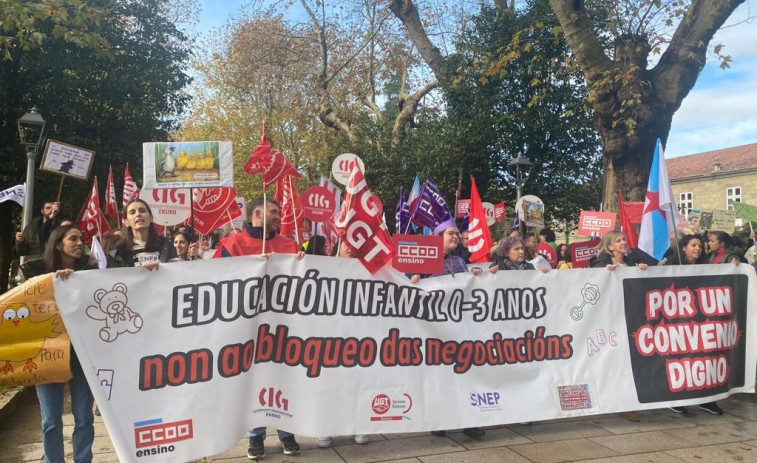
(714, 179)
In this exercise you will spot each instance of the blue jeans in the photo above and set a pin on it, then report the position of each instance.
(51, 407)
(258, 432)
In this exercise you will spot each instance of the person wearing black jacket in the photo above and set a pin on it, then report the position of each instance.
(140, 246)
(691, 251)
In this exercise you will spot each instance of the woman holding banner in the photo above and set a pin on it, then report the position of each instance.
(511, 255)
(613, 252)
(453, 264)
(140, 245)
(691, 252)
(64, 254)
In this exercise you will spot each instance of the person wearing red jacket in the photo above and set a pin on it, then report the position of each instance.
(250, 242)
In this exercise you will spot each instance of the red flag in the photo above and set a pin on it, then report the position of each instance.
(479, 238)
(130, 187)
(360, 225)
(232, 213)
(209, 206)
(292, 215)
(91, 221)
(269, 162)
(626, 225)
(111, 208)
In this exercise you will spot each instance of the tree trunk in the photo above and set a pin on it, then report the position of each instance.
(633, 105)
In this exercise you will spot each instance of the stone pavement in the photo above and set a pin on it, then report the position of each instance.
(660, 436)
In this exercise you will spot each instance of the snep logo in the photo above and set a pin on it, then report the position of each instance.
(485, 401)
(153, 437)
(273, 403)
(387, 409)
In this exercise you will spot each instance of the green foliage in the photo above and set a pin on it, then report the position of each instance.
(107, 102)
(518, 91)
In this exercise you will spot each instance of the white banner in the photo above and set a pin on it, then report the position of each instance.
(15, 193)
(186, 359)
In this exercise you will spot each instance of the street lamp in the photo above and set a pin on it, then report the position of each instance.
(31, 129)
(522, 166)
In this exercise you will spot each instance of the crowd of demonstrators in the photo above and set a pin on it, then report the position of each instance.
(138, 244)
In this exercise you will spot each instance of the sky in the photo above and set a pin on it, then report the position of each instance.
(719, 112)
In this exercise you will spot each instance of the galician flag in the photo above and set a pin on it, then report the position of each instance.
(660, 216)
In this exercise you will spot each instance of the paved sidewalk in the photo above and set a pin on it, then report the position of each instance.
(660, 437)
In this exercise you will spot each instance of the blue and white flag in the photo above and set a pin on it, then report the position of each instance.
(660, 215)
(15, 193)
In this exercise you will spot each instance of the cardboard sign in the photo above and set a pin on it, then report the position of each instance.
(723, 220)
(170, 206)
(581, 253)
(68, 160)
(463, 206)
(318, 203)
(188, 164)
(418, 254)
(342, 167)
(591, 222)
(34, 344)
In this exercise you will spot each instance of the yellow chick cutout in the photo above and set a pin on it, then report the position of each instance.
(34, 345)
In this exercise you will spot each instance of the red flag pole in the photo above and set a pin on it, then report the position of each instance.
(294, 210)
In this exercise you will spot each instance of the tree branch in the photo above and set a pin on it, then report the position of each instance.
(407, 13)
(677, 71)
(581, 38)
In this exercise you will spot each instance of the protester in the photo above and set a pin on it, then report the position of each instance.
(548, 236)
(182, 241)
(452, 264)
(721, 248)
(140, 244)
(249, 242)
(530, 247)
(613, 252)
(63, 255)
(564, 257)
(691, 249)
(31, 242)
(511, 255)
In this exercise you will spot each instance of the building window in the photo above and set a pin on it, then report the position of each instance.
(685, 203)
(731, 195)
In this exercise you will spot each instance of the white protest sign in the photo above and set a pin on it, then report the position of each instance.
(489, 211)
(342, 167)
(170, 206)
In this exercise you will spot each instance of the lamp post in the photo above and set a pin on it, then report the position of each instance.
(522, 166)
(31, 129)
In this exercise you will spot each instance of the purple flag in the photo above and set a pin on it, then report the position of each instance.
(441, 207)
(402, 214)
(422, 210)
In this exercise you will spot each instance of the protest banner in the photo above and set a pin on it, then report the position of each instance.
(591, 222)
(723, 220)
(15, 194)
(203, 351)
(499, 212)
(188, 164)
(489, 212)
(34, 344)
(463, 206)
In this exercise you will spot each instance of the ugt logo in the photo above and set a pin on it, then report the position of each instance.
(272, 397)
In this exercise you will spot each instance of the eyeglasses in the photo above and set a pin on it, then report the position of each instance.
(452, 233)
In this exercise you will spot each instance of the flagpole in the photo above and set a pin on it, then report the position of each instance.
(294, 211)
(675, 233)
(60, 188)
(265, 213)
